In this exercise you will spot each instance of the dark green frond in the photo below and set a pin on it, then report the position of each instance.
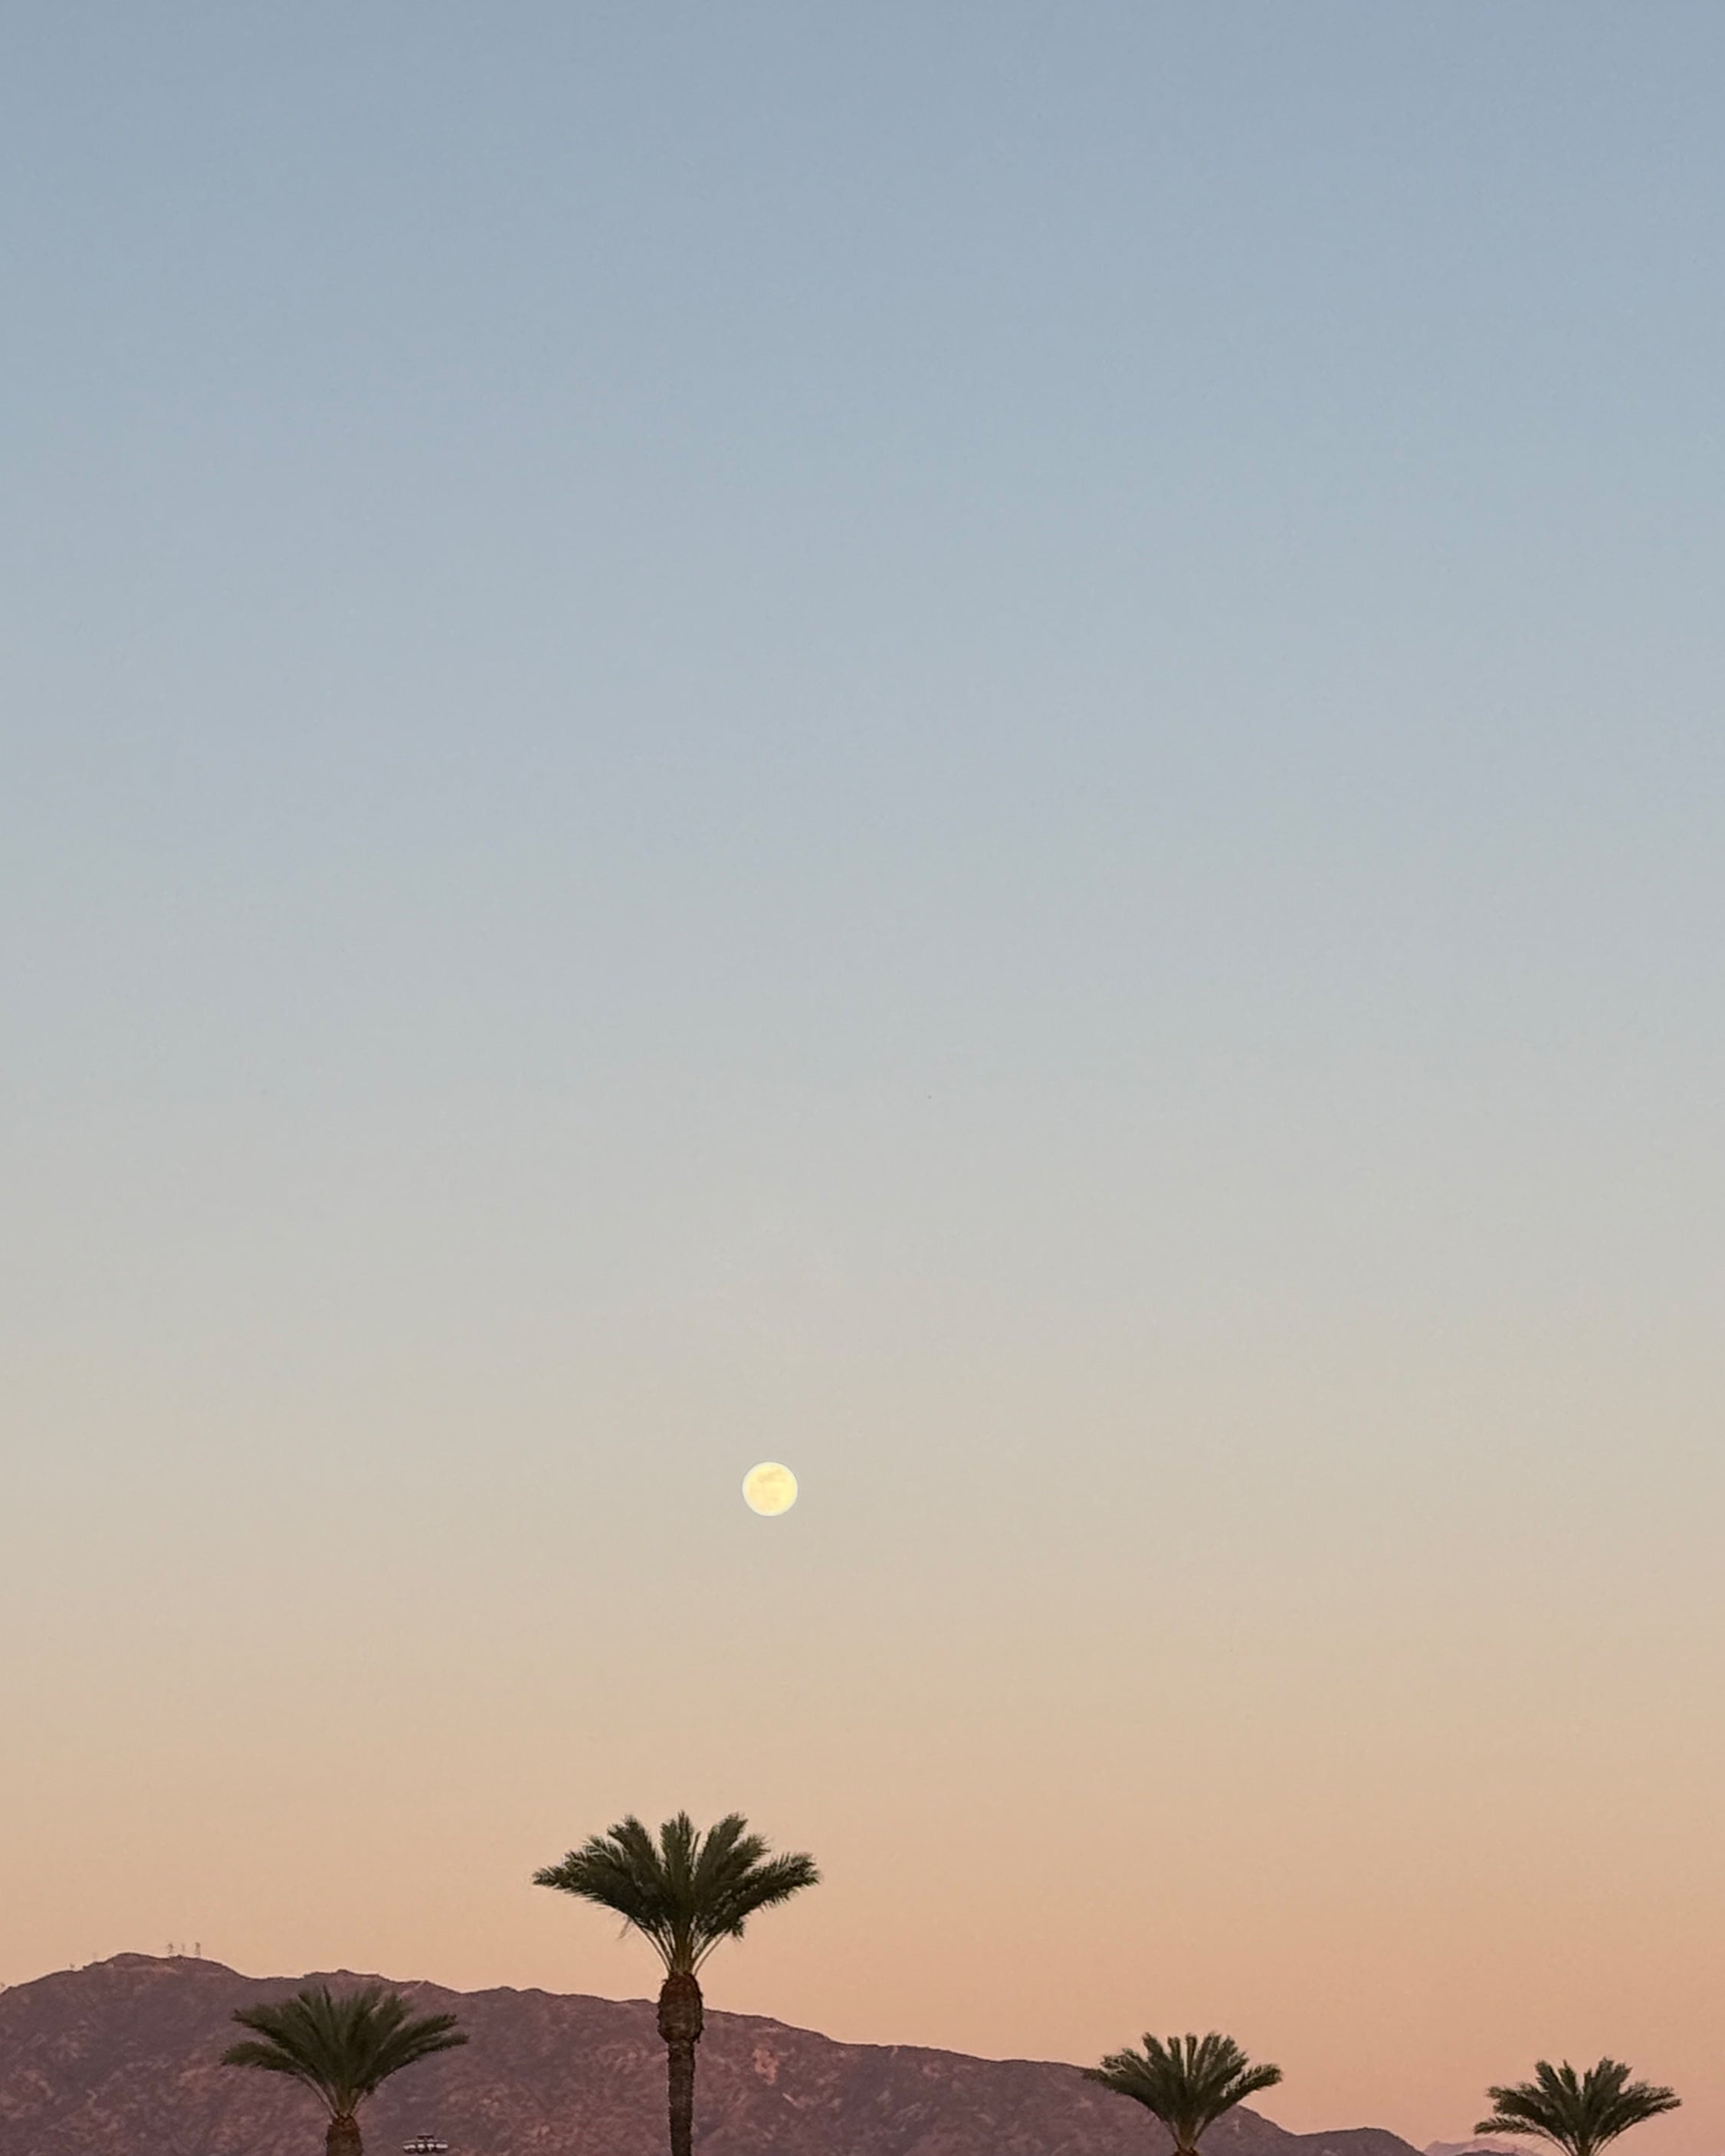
(688, 1891)
(1187, 2082)
(1580, 2114)
(343, 2045)
(268, 2060)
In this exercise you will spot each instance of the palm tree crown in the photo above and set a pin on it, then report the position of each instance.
(688, 1891)
(342, 2046)
(1187, 2082)
(1579, 2113)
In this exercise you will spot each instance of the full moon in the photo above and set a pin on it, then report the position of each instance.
(769, 1489)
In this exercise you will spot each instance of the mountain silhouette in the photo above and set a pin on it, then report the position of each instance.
(120, 2059)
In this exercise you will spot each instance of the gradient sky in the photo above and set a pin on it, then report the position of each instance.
(975, 744)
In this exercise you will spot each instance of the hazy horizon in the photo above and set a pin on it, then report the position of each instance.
(974, 747)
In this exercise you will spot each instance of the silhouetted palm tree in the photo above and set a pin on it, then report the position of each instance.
(343, 2045)
(1577, 2113)
(684, 1894)
(1187, 2082)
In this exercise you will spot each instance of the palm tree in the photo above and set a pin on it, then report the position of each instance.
(1576, 2113)
(683, 1894)
(343, 2045)
(1187, 2082)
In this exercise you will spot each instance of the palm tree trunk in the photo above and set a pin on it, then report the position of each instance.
(342, 2138)
(680, 2021)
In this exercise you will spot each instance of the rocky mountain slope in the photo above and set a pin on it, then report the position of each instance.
(119, 2060)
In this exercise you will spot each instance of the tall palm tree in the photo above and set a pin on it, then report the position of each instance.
(1576, 2113)
(1187, 2082)
(684, 1894)
(342, 2046)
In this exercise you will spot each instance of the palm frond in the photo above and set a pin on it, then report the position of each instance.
(342, 2046)
(687, 1892)
(1187, 2082)
(1580, 2114)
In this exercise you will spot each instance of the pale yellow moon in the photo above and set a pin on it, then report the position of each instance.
(769, 1489)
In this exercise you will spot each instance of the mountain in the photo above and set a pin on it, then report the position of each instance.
(119, 2058)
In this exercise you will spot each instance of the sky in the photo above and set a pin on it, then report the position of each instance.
(974, 745)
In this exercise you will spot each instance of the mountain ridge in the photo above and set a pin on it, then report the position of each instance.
(120, 2057)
